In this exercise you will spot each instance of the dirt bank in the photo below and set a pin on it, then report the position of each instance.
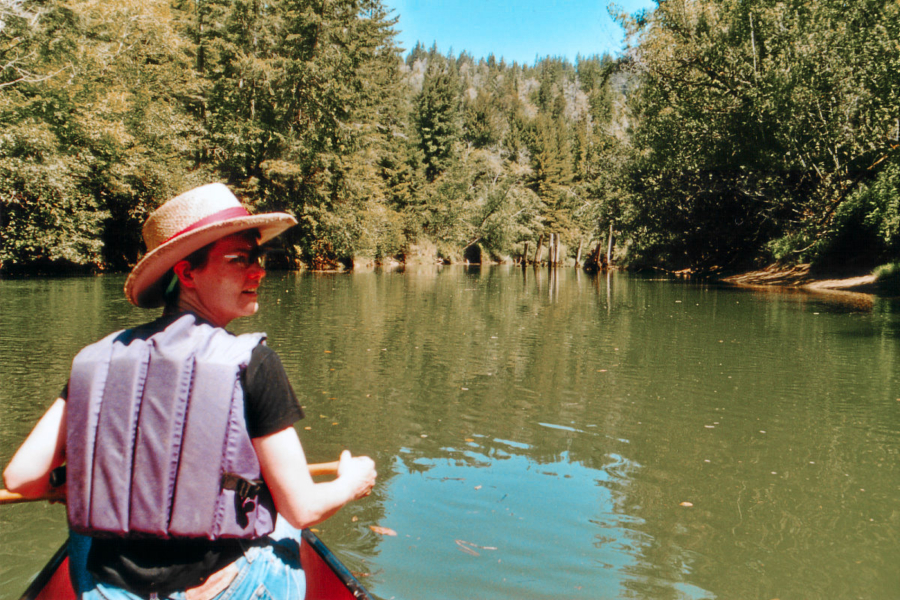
(800, 277)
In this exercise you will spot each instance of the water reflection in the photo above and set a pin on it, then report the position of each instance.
(487, 492)
(557, 435)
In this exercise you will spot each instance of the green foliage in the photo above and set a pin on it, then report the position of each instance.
(94, 135)
(437, 113)
(889, 270)
(887, 278)
(755, 123)
(299, 106)
(731, 132)
(866, 226)
(483, 122)
(417, 53)
(47, 220)
(478, 201)
(882, 208)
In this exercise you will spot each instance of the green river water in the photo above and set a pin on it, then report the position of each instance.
(550, 435)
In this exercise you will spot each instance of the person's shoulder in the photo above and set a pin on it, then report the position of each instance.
(264, 368)
(126, 336)
(142, 331)
(262, 354)
(105, 342)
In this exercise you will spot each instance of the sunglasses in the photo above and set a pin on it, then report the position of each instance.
(246, 259)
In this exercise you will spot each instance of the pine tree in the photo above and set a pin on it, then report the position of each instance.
(437, 110)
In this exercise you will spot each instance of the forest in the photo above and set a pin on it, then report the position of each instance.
(727, 135)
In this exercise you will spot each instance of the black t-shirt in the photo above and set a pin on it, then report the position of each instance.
(143, 566)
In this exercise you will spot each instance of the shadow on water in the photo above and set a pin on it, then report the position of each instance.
(838, 302)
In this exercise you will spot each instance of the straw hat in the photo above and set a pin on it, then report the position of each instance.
(185, 224)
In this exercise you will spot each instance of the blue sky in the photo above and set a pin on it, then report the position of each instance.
(517, 30)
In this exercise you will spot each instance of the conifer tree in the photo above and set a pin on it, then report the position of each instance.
(437, 113)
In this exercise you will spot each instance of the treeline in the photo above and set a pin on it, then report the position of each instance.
(765, 130)
(730, 133)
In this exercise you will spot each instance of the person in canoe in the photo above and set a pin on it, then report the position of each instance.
(177, 436)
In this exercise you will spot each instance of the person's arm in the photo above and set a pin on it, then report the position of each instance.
(298, 498)
(28, 473)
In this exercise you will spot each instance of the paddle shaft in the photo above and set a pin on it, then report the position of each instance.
(316, 469)
(12, 498)
(329, 468)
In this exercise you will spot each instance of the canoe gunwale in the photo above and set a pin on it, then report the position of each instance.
(337, 567)
(43, 578)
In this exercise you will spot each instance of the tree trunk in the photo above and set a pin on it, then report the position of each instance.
(609, 248)
(578, 254)
(539, 250)
(594, 260)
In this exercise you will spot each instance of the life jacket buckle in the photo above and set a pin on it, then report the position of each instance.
(246, 489)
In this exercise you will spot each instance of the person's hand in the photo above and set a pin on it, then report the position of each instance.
(359, 472)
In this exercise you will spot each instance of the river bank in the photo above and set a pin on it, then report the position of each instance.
(802, 277)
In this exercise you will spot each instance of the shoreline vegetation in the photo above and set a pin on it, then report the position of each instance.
(725, 136)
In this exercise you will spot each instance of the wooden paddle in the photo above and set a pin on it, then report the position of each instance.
(329, 468)
(11, 498)
(316, 470)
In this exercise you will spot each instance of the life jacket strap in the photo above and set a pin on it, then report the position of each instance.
(246, 489)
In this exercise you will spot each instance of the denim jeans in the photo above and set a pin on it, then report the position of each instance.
(266, 571)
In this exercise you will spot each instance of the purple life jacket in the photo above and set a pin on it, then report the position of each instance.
(157, 445)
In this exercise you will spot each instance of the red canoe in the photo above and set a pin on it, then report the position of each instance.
(326, 577)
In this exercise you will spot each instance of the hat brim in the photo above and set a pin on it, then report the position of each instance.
(144, 286)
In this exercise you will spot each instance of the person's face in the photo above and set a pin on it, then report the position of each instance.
(225, 288)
